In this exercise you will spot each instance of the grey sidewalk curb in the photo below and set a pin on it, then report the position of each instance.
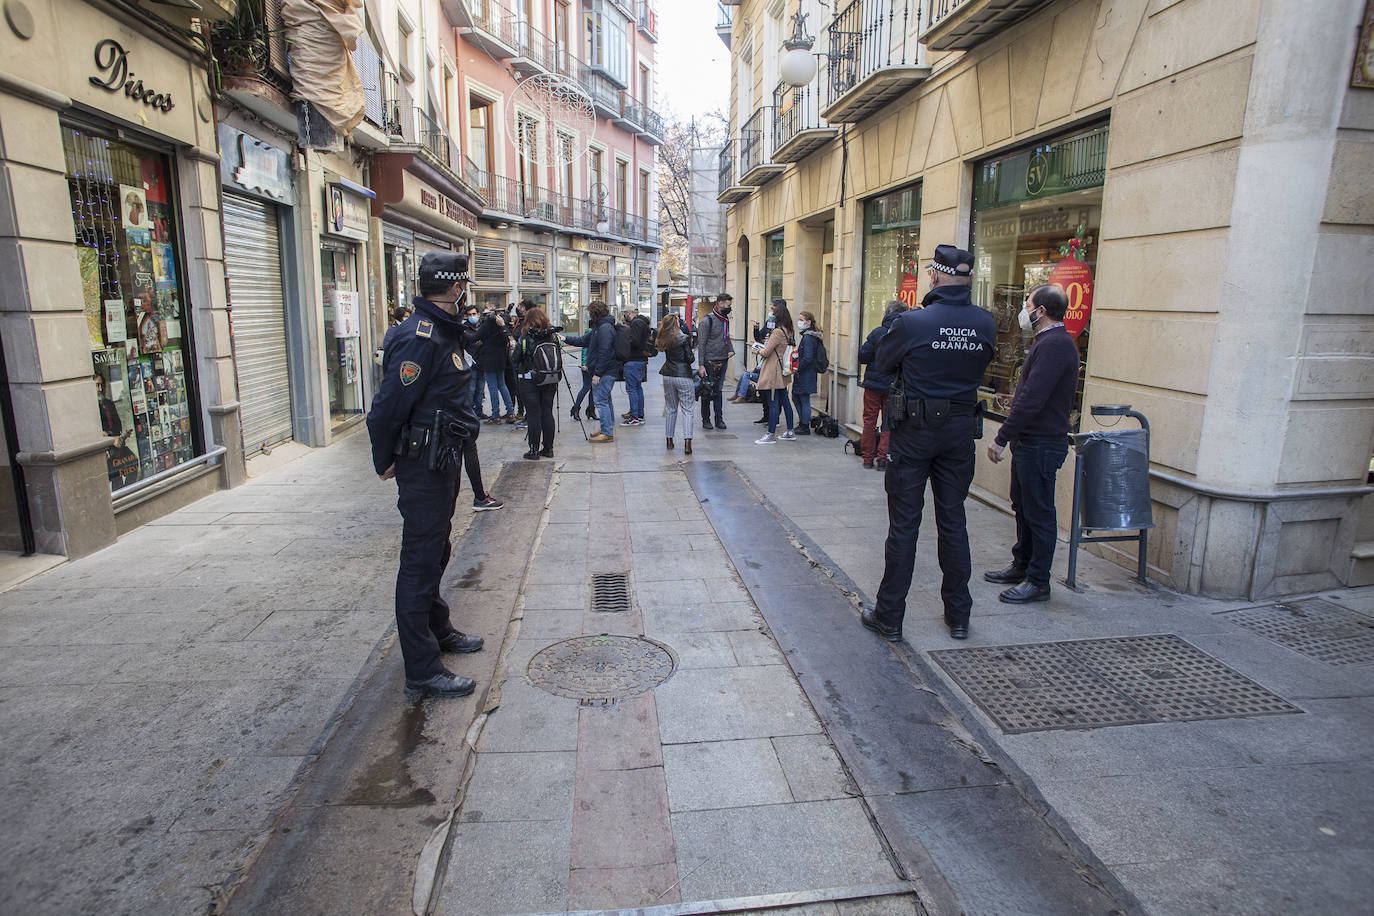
(980, 740)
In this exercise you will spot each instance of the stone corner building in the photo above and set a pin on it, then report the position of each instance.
(1214, 160)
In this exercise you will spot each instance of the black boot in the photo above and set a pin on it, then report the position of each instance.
(577, 414)
(546, 451)
(531, 455)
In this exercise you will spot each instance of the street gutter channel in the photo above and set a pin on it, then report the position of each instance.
(769, 562)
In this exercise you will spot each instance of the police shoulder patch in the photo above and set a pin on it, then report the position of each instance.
(424, 328)
(410, 371)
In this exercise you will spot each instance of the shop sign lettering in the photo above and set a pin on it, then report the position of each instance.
(533, 268)
(599, 266)
(449, 208)
(112, 62)
(1077, 280)
(1043, 223)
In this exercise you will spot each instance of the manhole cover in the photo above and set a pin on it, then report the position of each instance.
(610, 592)
(1092, 683)
(1317, 628)
(602, 668)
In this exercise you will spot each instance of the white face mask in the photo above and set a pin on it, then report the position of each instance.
(1024, 318)
(804, 325)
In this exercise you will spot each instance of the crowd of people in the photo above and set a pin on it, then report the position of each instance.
(924, 368)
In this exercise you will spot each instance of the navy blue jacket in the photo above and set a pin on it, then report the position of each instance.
(493, 354)
(601, 347)
(808, 348)
(1044, 397)
(942, 349)
(873, 379)
(423, 370)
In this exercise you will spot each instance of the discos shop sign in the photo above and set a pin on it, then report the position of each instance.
(112, 65)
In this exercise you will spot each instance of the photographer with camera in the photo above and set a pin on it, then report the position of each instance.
(419, 422)
(936, 356)
(538, 370)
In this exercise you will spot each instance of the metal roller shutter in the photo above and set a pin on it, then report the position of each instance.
(252, 263)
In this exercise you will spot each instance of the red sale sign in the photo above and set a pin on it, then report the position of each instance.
(906, 291)
(1077, 280)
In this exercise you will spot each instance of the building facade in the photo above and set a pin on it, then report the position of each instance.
(1196, 174)
(243, 222)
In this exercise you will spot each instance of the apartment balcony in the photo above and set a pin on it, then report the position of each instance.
(631, 116)
(648, 20)
(535, 52)
(492, 28)
(872, 57)
(252, 66)
(798, 130)
(604, 93)
(957, 25)
(725, 23)
(728, 190)
(653, 129)
(756, 165)
(521, 202)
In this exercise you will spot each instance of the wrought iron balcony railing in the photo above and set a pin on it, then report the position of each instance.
(648, 19)
(252, 45)
(797, 125)
(963, 24)
(873, 56)
(527, 202)
(652, 123)
(726, 167)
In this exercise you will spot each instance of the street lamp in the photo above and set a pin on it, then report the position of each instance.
(798, 66)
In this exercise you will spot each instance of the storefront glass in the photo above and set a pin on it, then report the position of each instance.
(342, 330)
(539, 297)
(127, 249)
(892, 243)
(624, 299)
(401, 268)
(1036, 219)
(772, 267)
(570, 305)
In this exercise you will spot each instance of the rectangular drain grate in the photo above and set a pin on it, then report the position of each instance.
(610, 592)
(1317, 628)
(1093, 683)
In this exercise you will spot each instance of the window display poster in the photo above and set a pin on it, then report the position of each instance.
(139, 243)
(89, 261)
(115, 330)
(116, 414)
(133, 207)
(164, 266)
(345, 303)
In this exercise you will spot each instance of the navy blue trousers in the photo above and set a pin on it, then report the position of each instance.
(944, 458)
(1034, 465)
(426, 500)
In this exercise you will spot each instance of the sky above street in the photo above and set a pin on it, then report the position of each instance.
(693, 63)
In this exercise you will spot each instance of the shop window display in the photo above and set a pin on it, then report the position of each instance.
(570, 305)
(1037, 217)
(772, 266)
(892, 241)
(343, 330)
(126, 246)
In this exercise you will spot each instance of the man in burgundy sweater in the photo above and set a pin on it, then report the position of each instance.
(1038, 430)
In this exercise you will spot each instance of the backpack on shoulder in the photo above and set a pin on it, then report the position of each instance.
(822, 358)
(624, 344)
(546, 363)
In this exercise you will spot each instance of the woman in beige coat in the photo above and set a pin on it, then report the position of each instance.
(772, 382)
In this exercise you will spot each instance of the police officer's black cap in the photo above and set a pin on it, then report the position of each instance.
(953, 261)
(443, 265)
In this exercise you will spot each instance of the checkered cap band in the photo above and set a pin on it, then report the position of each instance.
(450, 275)
(943, 269)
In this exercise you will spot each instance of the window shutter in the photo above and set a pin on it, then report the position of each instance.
(489, 265)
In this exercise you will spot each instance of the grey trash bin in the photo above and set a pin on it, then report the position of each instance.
(1116, 479)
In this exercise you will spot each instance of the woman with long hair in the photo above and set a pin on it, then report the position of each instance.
(679, 385)
(772, 380)
(539, 388)
(809, 347)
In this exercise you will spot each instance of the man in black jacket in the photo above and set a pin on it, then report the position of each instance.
(941, 352)
(637, 368)
(419, 419)
(1038, 429)
(875, 384)
(601, 362)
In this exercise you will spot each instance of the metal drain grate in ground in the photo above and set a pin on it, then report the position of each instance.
(602, 669)
(1317, 628)
(610, 592)
(1093, 683)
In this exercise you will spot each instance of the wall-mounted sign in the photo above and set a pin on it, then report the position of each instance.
(346, 213)
(255, 166)
(599, 266)
(534, 268)
(112, 63)
(646, 275)
(449, 208)
(584, 244)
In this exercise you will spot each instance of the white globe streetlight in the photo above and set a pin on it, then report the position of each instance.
(798, 67)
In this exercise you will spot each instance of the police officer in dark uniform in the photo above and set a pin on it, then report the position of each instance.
(941, 352)
(419, 420)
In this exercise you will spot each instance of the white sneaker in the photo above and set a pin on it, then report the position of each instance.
(788, 436)
(767, 439)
